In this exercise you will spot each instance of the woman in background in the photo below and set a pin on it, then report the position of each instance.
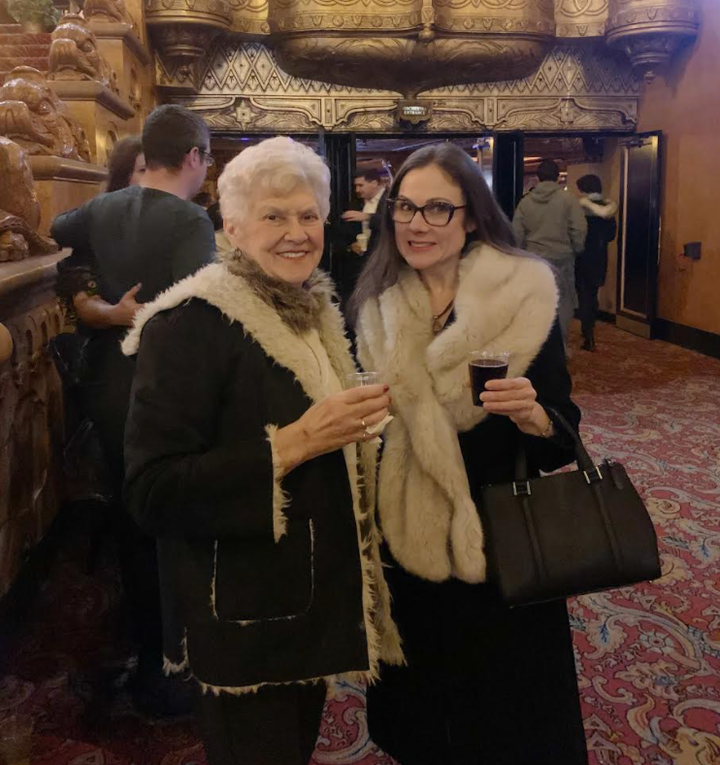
(591, 263)
(126, 165)
(76, 279)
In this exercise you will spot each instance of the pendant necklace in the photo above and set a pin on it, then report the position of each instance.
(437, 324)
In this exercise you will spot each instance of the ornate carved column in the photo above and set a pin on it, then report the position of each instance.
(183, 30)
(651, 31)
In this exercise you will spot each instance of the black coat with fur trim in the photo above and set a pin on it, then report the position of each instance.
(263, 581)
(200, 478)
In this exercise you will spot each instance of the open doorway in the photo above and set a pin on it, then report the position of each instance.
(578, 156)
(392, 151)
(355, 203)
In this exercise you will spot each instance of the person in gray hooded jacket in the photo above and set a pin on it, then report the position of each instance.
(550, 222)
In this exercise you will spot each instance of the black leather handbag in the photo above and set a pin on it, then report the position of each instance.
(567, 534)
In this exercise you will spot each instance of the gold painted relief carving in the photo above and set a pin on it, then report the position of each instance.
(34, 117)
(565, 114)
(352, 15)
(74, 54)
(185, 29)
(654, 15)
(580, 18)
(495, 16)
(410, 45)
(31, 424)
(107, 10)
(245, 89)
(250, 17)
(651, 31)
(19, 207)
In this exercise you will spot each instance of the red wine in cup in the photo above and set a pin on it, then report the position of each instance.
(482, 370)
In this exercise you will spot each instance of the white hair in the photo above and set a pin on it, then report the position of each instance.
(276, 166)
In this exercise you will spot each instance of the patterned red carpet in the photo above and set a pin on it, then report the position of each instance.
(648, 657)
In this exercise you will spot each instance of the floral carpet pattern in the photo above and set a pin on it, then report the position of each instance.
(648, 657)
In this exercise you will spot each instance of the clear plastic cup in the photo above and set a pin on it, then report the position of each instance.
(357, 379)
(484, 366)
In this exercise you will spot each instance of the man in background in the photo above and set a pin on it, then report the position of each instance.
(550, 222)
(369, 186)
(128, 246)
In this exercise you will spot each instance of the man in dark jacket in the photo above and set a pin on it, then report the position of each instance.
(591, 265)
(550, 222)
(130, 245)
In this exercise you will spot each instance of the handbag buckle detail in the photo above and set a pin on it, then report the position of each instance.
(521, 489)
(593, 475)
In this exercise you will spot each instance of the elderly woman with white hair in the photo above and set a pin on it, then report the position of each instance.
(255, 470)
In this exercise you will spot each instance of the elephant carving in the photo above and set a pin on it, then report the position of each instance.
(33, 116)
(74, 54)
(19, 207)
(107, 10)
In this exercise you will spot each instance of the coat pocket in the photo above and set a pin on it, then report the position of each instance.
(264, 581)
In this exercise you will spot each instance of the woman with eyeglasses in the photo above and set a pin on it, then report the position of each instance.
(483, 683)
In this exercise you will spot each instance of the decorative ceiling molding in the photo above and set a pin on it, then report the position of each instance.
(406, 46)
(575, 87)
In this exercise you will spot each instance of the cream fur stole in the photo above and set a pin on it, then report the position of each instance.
(505, 302)
(238, 300)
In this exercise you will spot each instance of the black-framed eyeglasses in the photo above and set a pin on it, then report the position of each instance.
(206, 156)
(435, 212)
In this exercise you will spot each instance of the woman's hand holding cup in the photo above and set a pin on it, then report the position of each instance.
(338, 420)
(516, 398)
(513, 397)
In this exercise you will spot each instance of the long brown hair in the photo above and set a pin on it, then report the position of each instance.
(122, 162)
(491, 225)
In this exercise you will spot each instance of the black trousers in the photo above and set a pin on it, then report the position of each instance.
(278, 725)
(105, 401)
(587, 287)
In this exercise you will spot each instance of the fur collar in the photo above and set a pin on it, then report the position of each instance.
(504, 301)
(596, 205)
(234, 291)
(298, 307)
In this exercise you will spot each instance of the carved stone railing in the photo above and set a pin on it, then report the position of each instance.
(31, 411)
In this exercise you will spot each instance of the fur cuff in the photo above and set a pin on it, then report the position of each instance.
(280, 497)
(601, 210)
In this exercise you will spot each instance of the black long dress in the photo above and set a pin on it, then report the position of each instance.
(484, 684)
(591, 269)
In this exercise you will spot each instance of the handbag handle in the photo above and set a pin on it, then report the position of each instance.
(521, 489)
(583, 459)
